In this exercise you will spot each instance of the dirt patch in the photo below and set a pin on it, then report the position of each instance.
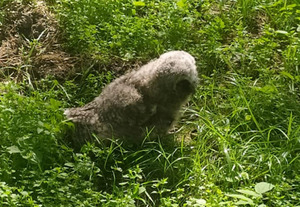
(30, 42)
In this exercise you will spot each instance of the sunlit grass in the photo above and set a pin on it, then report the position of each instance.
(237, 142)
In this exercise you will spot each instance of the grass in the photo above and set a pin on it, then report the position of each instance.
(237, 143)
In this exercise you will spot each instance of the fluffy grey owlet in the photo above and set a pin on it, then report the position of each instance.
(148, 99)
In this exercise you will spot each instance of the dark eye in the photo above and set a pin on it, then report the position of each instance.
(184, 87)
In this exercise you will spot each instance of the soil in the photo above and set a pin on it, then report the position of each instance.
(31, 42)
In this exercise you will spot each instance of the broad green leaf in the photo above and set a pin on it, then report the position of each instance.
(242, 202)
(69, 164)
(196, 202)
(291, 6)
(248, 117)
(9, 110)
(39, 130)
(200, 201)
(13, 149)
(239, 196)
(181, 3)
(263, 187)
(54, 103)
(142, 190)
(133, 11)
(139, 3)
(24, 193)
(282, 32)
(40, 123)
(245, 175)
(250, 192)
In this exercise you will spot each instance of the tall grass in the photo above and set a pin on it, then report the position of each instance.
(237, 142)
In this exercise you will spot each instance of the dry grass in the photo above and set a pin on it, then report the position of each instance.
(31, 41)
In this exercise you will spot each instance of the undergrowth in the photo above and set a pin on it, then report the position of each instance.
(237, 142)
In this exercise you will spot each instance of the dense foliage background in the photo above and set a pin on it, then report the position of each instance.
(237, 143)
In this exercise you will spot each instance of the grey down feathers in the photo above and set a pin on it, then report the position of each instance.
(148, 99)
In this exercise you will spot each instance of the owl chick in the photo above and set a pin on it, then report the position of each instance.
(147, 99)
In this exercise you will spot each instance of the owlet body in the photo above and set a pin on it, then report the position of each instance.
(148, 99)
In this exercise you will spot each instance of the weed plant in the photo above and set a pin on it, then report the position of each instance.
(237, 143)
